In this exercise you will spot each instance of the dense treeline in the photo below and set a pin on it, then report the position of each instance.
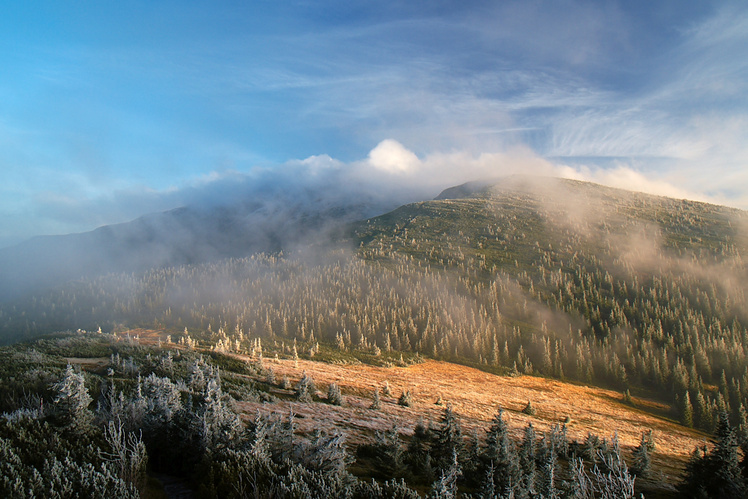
(649, 291)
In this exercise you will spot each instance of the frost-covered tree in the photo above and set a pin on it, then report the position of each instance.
(641, 460)
(716, 473)
(72, 401)
(220, 424)
(446, 486)
(499, 457)
(579, 485)
(260, 442)
(334, 395)
(418, 455)
(529, 409)
(386, 391)
(281, 436)
(270, 377)
(162, 400)
(612, 479)
(200, 372)
(305, 388)
(389, 452)
(406, 399)
(447, 439)
(376, 402)
(126, 455)
(527, 460)
(325, 452)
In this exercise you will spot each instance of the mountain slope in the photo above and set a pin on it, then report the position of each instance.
(641, 296)
(535, 276)
(505, 220)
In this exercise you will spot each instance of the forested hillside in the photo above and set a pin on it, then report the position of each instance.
(643, 294)
(596, 284)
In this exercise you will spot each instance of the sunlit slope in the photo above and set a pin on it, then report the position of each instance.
(589, 282)
(476, 396)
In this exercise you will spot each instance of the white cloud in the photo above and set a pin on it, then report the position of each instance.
(462, 91)
(390, 175)
(390, 156)
(624, 177)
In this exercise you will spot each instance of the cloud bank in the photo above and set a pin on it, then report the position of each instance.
(388, 176)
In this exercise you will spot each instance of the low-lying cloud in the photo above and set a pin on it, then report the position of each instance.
(390, 175)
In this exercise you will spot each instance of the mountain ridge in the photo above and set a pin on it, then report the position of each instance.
(184, 235)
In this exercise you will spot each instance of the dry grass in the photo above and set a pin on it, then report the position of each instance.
(89, 363)
(476, 396)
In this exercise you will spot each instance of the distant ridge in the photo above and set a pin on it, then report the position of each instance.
(181, 236)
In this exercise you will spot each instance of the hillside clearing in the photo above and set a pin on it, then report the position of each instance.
(476, 396)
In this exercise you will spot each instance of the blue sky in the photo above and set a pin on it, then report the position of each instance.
(109, 110)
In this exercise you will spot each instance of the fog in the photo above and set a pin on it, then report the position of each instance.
(296, 205)
(233, 214)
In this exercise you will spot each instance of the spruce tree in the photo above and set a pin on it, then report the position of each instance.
(386, 389)
(406, 399)
(376, 402)
(471, 462)
(334, 395)
(703, 414)
(390, 454)
(547, 475)
(726, 462)
(499, 458)
(741, 432)
(529, 409)
(305, 389)
(72, 402)
(446, 486)
(220, 425)
(716, 473)
(260, 445)
(418, 455)
(612, 479)
(641, 460)
(579, 485)
(651, 444)
(270, 377)
(686, 410)
(447, 439)
(527, 455)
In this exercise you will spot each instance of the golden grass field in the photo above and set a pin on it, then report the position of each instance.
(475, 396)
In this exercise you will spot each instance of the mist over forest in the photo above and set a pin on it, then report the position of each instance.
(519, 276)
